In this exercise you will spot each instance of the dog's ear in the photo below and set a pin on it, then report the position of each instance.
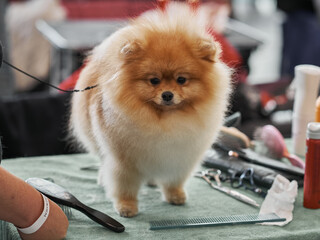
(131, 50)
(208, 50)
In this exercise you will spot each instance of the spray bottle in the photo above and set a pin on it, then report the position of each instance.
(311, 196)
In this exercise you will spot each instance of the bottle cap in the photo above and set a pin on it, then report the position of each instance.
(313, 130)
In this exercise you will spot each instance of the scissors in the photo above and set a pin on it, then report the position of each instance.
(215, 173)
(247, 174)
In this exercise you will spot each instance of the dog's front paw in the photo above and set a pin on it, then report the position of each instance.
(175, 196)
(127, 208)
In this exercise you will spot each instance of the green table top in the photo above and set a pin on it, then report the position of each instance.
(202, 202)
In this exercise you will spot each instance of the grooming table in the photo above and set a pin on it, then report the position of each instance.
(202, 202)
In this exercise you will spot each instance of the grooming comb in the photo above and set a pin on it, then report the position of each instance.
(215, 221)
(61, 196)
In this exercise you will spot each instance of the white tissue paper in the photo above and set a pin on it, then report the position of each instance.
(280, 200)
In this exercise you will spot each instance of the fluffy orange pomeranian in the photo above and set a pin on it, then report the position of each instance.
(160, 102)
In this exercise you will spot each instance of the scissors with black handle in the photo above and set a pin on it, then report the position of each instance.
(206, 174)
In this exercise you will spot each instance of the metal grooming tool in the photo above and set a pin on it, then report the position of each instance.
(205, 174)
(215, 221)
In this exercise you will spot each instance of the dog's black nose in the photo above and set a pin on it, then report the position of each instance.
(167, 96)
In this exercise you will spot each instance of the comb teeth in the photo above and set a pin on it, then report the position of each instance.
(214, 221)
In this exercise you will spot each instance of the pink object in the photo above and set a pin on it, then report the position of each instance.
(274, 141)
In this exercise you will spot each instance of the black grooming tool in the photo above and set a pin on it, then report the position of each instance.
(251, 156)
(61, 196)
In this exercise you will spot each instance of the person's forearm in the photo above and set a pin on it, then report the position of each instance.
(22, 205)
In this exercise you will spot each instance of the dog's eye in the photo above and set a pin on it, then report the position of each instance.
(155, 81)
(181, 80)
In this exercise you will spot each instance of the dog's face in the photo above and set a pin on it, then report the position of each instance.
(168, 71)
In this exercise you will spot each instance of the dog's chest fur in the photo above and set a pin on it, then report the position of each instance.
(157, 154)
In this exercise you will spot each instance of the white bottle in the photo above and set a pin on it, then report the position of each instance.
(306, 83)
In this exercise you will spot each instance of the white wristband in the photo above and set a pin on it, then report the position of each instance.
(40, 221)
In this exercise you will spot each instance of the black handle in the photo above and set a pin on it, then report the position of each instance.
(61, 196)
(100, 217)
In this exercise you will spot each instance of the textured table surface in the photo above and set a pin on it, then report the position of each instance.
(202, 202)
